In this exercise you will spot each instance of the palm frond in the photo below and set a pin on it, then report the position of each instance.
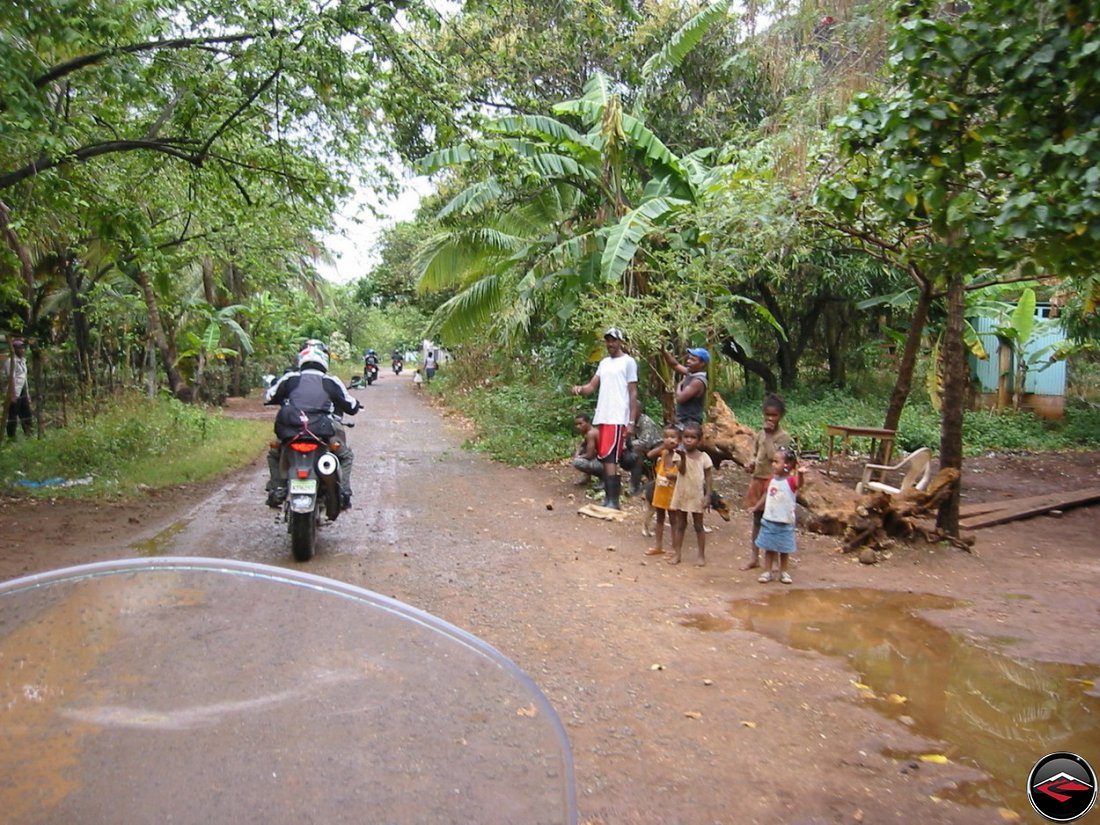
(449, 259)
(551, 129)
(649, 144)
(686, 38)
(470, 310)
(473, 199)
(624, 237)
(443, 158)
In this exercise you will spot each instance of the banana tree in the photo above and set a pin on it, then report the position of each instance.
(1016, 328)
(559, 213)
(199, 348)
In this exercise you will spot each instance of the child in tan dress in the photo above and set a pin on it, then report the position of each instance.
(692, 493)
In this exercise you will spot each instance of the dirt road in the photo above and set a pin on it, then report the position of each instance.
(690, 695)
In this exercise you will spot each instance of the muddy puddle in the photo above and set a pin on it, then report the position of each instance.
(986, 708)
(160, 544)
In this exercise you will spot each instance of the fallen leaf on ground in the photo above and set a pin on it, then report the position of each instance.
(1008, 815)
(529, 711)
(897, 699)
(934, 758)
(693, 714)
(746, 723)
(656, 667)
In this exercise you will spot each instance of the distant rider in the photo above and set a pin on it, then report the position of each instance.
(370, 360)
(313, 391)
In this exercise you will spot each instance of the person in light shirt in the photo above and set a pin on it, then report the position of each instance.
(19, 397)
(616, 379)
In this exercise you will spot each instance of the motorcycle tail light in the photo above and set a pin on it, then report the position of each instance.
(303, 474)
(303, 446)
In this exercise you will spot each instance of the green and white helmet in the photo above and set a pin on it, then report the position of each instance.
(313, 354)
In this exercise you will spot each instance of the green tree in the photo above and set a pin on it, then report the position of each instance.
(557, 212)
(984, 155)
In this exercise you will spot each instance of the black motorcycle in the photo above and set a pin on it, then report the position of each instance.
(370, 373)
(313, 477)
(398, 365)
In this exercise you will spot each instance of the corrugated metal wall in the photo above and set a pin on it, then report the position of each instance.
(1048, 381)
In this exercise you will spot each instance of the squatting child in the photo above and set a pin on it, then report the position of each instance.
(776, 536)
(692, 493)
(665, 471)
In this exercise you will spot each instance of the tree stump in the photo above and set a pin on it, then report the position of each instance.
(870, 520)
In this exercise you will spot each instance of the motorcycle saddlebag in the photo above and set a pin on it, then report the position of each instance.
(290, 421)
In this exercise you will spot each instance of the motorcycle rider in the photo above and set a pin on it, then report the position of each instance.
(370, 360)
(312, 390)
(397, 360)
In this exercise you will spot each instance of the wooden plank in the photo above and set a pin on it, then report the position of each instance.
(969, 510)
(1033, 506)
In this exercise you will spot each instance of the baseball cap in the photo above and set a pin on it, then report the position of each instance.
(614, 332)
(700, 353)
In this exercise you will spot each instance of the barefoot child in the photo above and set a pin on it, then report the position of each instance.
(776, 537)
(692, 493)
(771, 437)
(664, 482)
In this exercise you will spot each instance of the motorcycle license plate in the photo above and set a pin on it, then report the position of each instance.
(303, 486)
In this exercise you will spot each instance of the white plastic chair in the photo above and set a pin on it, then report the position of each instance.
(918, 472)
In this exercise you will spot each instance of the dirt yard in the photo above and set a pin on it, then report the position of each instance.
(919, 689)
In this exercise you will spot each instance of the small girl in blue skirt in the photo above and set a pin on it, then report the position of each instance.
(776, 536)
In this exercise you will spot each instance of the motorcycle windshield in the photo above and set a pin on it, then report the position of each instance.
(201, 690)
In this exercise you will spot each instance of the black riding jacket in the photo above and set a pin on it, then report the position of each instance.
(313, 391)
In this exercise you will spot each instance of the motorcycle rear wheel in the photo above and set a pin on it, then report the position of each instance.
(303, 535)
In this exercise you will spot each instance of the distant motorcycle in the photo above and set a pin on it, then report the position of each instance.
(370, 373)
(398, 365)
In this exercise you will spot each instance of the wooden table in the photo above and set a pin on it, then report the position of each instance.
(883, 436)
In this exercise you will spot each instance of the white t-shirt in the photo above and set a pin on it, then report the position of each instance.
(613, 401)
(20, 380)
(779, 505)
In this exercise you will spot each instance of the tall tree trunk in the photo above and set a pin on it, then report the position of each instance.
(1004, 371)
(904, 383)
(237, 289)
(26, 265)
(836, 332)
(956, 371)
(751, 366)
(208, 290)
(165, 347)
(81, 332)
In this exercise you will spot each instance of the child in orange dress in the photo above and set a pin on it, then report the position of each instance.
(664, 482)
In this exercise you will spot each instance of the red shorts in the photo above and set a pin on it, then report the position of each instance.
(612, 440)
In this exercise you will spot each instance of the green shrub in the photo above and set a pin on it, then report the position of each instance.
(524, 417)
(122, 445)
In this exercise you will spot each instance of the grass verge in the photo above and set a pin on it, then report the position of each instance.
(130, 445)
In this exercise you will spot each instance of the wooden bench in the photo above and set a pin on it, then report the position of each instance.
(882, 436)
